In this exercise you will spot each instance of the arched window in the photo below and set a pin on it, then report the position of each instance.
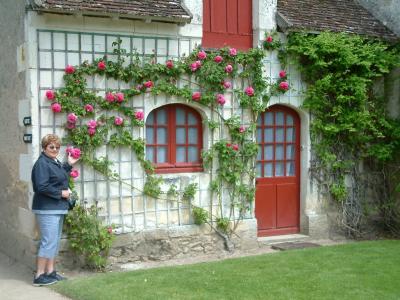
(174, 139)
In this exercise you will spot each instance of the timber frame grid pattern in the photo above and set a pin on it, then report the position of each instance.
(128, 209)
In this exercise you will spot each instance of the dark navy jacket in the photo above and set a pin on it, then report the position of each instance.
(49, 178)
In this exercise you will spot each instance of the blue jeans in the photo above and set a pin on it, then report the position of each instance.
(50, 234)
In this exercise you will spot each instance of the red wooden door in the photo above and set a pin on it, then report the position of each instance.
(227, 23)
(278, 172)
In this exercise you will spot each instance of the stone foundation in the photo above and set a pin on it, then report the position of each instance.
(170, 243)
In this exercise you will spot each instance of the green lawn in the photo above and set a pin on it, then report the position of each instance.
(364, 270)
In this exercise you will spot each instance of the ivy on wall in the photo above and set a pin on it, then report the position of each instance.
(350, 125)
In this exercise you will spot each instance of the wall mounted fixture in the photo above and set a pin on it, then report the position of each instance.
(27, 121)
(28, 138)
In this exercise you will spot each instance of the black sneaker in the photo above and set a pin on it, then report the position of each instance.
(56, 276)
(43, 279)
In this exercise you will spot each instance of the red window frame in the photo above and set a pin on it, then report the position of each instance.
(171, 165)
(227, 23)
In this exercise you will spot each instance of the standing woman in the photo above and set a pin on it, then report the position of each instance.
(50, 204)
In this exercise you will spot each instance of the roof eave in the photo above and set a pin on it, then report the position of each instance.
(145, 18)
(286, 27)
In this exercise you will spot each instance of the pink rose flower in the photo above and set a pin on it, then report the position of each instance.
(218, 59)
(228, 145)
(88, 107)
(148, 84)
(71, 117)
(232, 51)
(228, 69)
(110, 97)
(71, 125)
(120, 97)
(235, 147)
(198, 63)
(221, 99)
(75, 153)
(193, 67)
(201, 55)
(139, 115)
(50, 95)
(101, 65)
(69, 69)
(56, 107)
(139, 87)
(92, 124)
(249, 91)
(110, 230)
(242, 129)
(284, 86)
(282, 74)
(169, 64)
(74, 173)
(196, 96)
(91, 131)
(118, 121)
(227, 84)
(269, 39)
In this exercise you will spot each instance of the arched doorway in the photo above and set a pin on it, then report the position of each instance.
(277, 206)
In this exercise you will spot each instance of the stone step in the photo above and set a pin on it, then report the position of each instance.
(271, 240)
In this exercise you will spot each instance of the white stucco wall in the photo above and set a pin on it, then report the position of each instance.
(129, 209)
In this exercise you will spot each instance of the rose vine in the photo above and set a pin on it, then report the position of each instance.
(212, 73)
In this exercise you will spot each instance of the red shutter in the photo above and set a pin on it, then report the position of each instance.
(227, 23)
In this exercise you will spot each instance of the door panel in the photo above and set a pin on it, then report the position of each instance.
(266, 220)
(286, 214)
(278, 172)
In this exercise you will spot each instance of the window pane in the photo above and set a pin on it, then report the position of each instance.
(161, 154)
(268, 170)
(269, 118)
(289, 151)
(150, 153)
(150, 119)
(193, 154)
(161, 117)
(193, 136)
(290, 134)
(289, 120)
(150, 135)
(259, 153)
(259, 135)
(278, 152)
(180, 135)
(180, 116)
(279, 118)
(192, 120)
(259, 121)
(181, 154)
(258, 170)
(161, 135)
(268, 135)
(269, 152)
(290, 168)
(279, 169)
(279, 135)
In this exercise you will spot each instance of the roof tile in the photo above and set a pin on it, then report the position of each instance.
(159, 9)
(332, 15)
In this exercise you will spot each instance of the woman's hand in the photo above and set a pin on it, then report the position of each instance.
(65, 194)
(71, 160)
